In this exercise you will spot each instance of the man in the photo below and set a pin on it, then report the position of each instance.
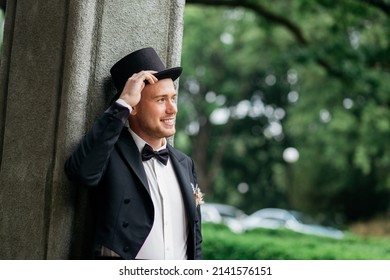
(144, 192)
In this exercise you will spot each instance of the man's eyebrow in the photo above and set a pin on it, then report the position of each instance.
(164, 95)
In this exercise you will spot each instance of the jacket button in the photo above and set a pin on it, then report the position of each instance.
(126, 249)
(126, 201)
(125, 224)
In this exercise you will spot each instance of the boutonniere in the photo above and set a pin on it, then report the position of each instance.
(198, 195)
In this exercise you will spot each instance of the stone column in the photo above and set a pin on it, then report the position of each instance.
(54, 79)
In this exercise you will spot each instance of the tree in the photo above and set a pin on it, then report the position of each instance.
(229, 96)
(317, 72)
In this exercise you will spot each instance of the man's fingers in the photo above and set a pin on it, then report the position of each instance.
(151, 79)
(148, 77)
(144, 76)
(135, 84)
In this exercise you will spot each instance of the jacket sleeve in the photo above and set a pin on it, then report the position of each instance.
(198, 232)
(88, 161)
(198, 225)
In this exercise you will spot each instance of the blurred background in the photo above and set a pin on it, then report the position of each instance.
(285, 104)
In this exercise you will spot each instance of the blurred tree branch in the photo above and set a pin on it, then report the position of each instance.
(378, 4)
(278, 19)
(294, 27)
(260, 10)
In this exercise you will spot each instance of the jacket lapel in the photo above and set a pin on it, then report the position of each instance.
(130, 153)
(182, 171)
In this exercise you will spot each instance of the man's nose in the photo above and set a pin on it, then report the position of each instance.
(171, 107)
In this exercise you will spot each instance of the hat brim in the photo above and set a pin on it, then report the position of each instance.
(170, 73)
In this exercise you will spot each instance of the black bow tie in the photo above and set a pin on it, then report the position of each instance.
(148, 153)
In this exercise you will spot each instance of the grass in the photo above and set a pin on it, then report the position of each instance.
(219, 243)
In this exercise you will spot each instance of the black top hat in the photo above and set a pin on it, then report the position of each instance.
(143, 59)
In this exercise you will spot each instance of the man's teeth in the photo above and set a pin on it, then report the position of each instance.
(170, 121)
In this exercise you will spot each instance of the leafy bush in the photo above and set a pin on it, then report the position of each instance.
(261, 244)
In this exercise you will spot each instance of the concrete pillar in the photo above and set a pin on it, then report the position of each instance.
(53, 84)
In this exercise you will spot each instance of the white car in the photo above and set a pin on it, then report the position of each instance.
(275, 218)
(224, 214)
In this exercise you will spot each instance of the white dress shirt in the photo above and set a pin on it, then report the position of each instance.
(168, 237)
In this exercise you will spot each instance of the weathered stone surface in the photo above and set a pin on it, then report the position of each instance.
(53, 84)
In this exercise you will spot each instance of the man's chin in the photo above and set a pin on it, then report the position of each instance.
(170, 133)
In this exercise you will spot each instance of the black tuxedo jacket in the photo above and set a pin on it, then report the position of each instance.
(108, 162)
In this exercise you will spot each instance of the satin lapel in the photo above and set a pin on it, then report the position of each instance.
(131, 154)
(182, 170)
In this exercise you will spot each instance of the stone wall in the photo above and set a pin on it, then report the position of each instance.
(54, 82)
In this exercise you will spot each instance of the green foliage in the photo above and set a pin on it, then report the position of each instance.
(261, 244)
(306, 74)
(225, 71)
